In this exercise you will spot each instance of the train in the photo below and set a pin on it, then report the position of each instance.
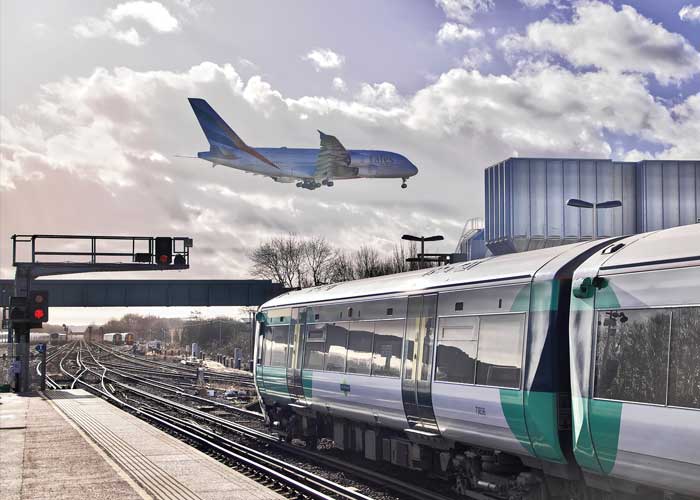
(566, 372)
(113, 338)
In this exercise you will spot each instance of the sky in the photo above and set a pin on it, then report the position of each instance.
(93, 111)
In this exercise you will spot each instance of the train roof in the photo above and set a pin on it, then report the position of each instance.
(510, 267)
(667, 247)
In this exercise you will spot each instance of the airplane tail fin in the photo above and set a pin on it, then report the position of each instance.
(216, 130)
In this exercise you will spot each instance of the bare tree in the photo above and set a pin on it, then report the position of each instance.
(280, 259)
(318, 258)
(341, 268)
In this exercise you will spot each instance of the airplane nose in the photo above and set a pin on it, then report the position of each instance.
(413, 170)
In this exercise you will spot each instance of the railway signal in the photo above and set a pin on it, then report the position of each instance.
(164, 250)
(38, 306)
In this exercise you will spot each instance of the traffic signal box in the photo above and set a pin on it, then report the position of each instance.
(38, 306)
(164, 250)
(33, 309)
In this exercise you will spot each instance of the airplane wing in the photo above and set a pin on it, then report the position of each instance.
(331, 156)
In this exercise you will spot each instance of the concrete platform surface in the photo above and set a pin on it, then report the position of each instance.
(77, 446)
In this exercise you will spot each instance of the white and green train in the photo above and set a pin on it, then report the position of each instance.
(567, 372)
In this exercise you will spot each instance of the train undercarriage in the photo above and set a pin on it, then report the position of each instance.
(467, 469)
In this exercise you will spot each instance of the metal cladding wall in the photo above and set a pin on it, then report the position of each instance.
(526, 200)
(669, 194)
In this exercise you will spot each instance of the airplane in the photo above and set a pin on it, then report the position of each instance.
(309, 168)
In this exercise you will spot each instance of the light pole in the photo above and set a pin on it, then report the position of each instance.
(575, 202)
(422, 239)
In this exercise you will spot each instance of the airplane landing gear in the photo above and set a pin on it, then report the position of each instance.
(403, 184)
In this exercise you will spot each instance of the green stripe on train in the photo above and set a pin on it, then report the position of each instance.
(512, 405)
(596, 433)
(543, 425)
(274, 379)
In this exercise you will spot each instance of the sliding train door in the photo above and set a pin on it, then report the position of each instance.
(417, 363)
(296, 355)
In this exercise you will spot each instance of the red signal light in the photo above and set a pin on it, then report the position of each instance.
(164, 259)
(38, 313)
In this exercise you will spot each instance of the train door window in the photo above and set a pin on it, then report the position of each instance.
(500, 350)
(315, 348)
(280, 345)
(336, 346)
(684, 373)
(632, 355)
(413, 325)
(388, 338)
(456, 351)
(360, 339)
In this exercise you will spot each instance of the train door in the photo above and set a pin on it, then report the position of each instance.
(296, 355)
(417, 363)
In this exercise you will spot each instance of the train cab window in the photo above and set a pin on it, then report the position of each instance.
(684, 373)
(386, 353)
(500, 350)
(336, 346)
(279, 345)
(456, 351)
(632, 355)
(315, 348)
(360, 339)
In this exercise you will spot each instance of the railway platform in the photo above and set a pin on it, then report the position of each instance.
(72, 445)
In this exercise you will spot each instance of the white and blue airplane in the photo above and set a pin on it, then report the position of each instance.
(309, 168)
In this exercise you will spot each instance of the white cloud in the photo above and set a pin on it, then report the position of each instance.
(339, 84)
(476, 57)
(690, 13)
(463, 10)
(107, 140)
(534, 4)
(153, 14)
(324, 59)
(454, 32)
(613, 40)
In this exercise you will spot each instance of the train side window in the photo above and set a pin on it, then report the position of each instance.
(684, 373)
(315, 348)
(336, 346)
(456, 351)
(360, 347)
(500, 350)
(267, 346)
(631, 355)
(386, 353)
(279, 345)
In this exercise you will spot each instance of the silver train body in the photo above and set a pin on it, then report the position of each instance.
(572, 370)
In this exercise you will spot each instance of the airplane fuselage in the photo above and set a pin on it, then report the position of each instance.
(301, 163)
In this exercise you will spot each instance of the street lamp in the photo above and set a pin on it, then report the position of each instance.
(575, 202)
(422, 239)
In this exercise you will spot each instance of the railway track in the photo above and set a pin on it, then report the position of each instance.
(287, 479)
(205, 430)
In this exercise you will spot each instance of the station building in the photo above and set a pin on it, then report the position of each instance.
(526, 202)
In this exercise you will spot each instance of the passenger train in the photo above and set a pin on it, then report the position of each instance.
(566, 372)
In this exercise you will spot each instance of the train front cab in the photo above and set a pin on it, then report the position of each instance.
(635, 344)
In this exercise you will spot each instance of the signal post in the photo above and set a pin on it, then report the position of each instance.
(29, 307)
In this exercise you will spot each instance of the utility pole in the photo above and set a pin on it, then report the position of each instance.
(575, 202)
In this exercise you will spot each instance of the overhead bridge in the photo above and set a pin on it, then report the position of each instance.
(151, 293)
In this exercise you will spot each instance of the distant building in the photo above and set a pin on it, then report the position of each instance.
(526, 201)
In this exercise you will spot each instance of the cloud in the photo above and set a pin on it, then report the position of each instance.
(690, 13)
(463, 10)
(154, 14)
(453, 32)
(324, 59)
(339, 84)
(104, 143)
(534, 4)
(613, 40)
(476, 57)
